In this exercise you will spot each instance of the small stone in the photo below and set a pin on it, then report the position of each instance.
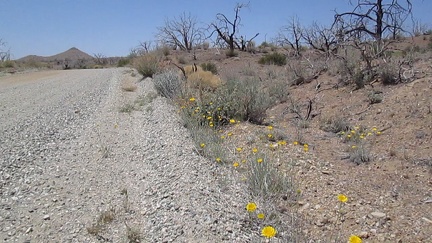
(30, 229)
(373, 231)
(363, 234)
(427, 220)
(46, 217)
(378, 214)
(325, 172)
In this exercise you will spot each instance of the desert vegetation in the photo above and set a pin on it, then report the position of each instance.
(304, 120)
(231, 121)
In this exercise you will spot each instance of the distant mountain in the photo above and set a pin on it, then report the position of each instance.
(73, 54)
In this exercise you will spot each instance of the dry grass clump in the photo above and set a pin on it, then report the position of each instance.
(104, 218)
(273, 59)
(129, 87)
(334, 124)
(168, 84)
(148, 64)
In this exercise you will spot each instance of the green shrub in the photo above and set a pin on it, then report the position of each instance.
(334, 124)
(123, 62)
(8, 64)
(273, 59)
(147, 65)
(168, 84)
(210, 67)
(388, 74)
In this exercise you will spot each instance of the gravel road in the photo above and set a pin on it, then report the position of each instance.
(75, 169)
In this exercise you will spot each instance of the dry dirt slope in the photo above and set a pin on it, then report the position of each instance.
(75, 169)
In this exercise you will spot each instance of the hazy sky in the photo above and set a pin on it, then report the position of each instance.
(113, 27)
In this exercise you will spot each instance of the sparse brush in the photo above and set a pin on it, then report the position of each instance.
(168, 84)
(209, 67)
(265, 181)
(334, 124)
(123, 62)
(388, 74)
(359, 154)
(104, 218)
(375, 97)
(127, 108)
(273, 59)
(148, 64)
(231, 53)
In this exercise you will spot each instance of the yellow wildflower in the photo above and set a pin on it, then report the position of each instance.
(218, 159)
(342, 198)
(281, 142)
(353, 146)
(362, 137)
(378, 133)
(202, 145)
(356, 127)
(269, 135)
(222, 137)
(260, 216)
(349, 136)
(239, 149)
(230, 134)
(270, 127)
(192, 99)
(306, 149)
(254, 150)
(211, 124)
(353, 132)
(342, 133)
(268, 232)
(232, 121)
(355, 239)
(251, 207)
(243, 161)
(259, 160)
(209, 118)
(115, 125)
(236, 164)
(374, 129)
(369, 133)
(295, 142)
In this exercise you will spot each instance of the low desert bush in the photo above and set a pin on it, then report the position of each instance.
(7, 64)
(334, 124)
(388, 74)
(168, 84)
(359, 154)
(123, 62)
(148, 64)
(375, 97)
(206, 45)
(231, 53)
(273, 59)
(208, 66)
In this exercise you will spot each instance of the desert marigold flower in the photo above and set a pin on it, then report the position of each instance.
(192, 99)
(342, 198)
(222, 137)
(260, 216)
(349, 136)
(232, 121)
(269, 135)
(268, 232)
(295, 142)
(182, 107)
(239, 149)
(251, 207)
(196, 110)
(281, 142)
(369, 133)
(211, 103)
(306, 149)
(270, 127)
(254, 150)
(355, 239)
(243, 161)
(362, 137)
(353, 146)
(353, 132)
(236, 164)
(272, 146)
(202, 145)
(209, 118)
(230, 134)
(115, 125)
(211, 124)
(356, 127)
(218, 159)
(342, 133)
(378, 133)
(374, 129)
(259, 160)
(306, 145)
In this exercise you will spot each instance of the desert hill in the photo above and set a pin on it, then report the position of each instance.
(72, 54)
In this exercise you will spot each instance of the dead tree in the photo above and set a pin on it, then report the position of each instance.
(4, 55)
(182, 32)
(228, 30)
(100, 59)
(291, 35)
(374, 18)
(321, 38)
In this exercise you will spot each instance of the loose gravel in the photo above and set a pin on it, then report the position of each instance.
(75, 169)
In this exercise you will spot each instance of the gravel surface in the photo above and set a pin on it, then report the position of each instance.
(75, 169)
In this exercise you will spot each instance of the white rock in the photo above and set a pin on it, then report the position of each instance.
(378, 214)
